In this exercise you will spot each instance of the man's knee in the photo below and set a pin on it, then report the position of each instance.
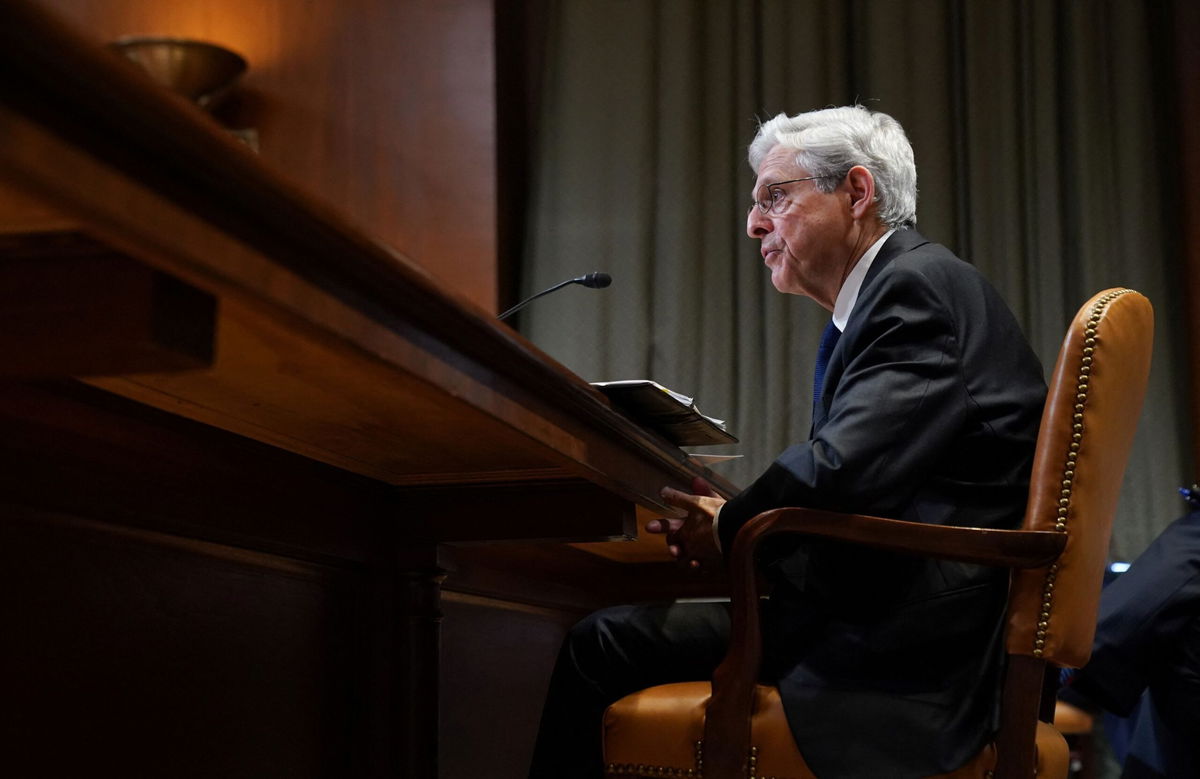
(597, 643)
(649, 644)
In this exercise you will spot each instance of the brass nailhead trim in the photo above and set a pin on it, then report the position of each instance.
(1082, 382)
(640, 770)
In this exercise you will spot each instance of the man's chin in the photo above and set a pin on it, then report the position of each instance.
(784, 284)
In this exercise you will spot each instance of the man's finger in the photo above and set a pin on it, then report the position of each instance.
(702, 487)
(663, 525)
(670, 493)
(678, 498)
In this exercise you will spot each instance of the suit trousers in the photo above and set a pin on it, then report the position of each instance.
(1174, 696)
(610, 654)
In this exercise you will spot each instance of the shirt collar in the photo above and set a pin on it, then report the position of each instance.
(848, 294)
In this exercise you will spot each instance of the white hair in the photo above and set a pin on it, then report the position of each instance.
(831, 141)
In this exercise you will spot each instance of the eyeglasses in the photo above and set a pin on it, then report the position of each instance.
(771, 198)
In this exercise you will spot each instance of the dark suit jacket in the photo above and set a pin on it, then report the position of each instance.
(888, 665)
(1148, 638)
(1145, 619)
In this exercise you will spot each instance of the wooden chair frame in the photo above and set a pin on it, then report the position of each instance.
(727, 725)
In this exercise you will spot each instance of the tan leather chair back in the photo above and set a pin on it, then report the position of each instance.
(1086, 434)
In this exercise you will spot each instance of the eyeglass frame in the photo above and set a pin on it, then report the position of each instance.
(769, 187)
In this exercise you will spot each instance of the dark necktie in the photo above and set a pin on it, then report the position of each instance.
(829, 339)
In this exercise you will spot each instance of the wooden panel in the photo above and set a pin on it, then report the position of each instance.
(384, 108)
(561, 510)
(104, 468)
(21, 214)
(496, 662)
(564, 577)
(69, 306)
(140, 654)
(310, 395)
(643, 548)
(77, 450)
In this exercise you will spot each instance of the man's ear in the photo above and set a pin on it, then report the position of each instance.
(862, 191)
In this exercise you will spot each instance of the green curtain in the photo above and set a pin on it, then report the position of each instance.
(1042, 133)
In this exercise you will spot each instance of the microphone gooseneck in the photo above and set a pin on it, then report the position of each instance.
(594, 280)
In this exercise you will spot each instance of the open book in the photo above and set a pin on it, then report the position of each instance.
(673, 415)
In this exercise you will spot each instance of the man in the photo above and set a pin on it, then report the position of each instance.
(1146, 655)
(926, 408)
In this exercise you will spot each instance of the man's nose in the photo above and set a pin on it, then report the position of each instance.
(757, 223)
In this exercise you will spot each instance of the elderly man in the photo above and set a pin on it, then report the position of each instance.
(927, 400)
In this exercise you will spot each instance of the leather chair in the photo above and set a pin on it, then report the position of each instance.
(735, 727)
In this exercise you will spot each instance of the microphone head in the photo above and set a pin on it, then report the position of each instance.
(595, 280)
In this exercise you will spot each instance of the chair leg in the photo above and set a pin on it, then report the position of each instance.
(1022, 702)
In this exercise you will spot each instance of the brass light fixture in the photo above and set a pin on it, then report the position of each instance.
(202, 72)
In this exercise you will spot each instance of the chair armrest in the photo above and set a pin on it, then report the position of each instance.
(1007, 548)
(728, 715)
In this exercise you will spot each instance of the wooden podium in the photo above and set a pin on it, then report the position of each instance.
(235, 434)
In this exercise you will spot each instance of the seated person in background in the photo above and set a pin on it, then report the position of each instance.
(1147, 652)
(927, 402)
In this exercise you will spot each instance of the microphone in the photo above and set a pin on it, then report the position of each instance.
(594, 280)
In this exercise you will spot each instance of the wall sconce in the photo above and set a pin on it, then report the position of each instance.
(204, 73)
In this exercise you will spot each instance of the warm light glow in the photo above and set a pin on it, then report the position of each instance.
(250, 29)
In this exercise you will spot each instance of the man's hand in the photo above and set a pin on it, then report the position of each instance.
(690, 539)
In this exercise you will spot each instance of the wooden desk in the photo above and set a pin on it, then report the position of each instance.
(235, 435)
